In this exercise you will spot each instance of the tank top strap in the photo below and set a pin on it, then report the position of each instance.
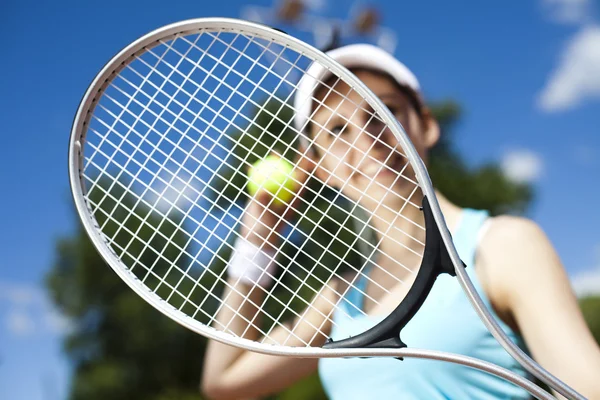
(468, 234)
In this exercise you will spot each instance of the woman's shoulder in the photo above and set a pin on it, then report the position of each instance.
(498, 239)
(512, 244)
(513, 252)
(513, 233)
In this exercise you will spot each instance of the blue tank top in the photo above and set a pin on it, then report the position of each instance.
(445, 322)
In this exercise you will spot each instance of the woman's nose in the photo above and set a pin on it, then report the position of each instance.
(373, 136)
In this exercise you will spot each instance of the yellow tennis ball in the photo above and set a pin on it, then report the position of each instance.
(275, 175)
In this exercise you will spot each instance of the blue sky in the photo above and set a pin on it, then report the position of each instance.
(526, 73)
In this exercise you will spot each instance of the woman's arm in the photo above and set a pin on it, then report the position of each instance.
(230, 372)
(233, 373)
(530, 290)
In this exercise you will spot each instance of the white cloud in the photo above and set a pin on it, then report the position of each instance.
(176, 190)
(29, 310)
(57, 323)
(20, 323)
(577, 76)
(522, 165)
(568, 11)
(315, 5)
(20, 294)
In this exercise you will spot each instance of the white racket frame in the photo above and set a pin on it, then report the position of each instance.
(77, 141)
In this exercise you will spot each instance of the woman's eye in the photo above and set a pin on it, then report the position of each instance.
(337, 130)
(400, 115)
(394, 109)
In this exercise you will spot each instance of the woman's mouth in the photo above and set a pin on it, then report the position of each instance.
(392, 167)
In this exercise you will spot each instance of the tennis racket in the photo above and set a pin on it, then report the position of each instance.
(161, 151)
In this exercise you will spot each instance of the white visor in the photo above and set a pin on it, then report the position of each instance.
(350, 56)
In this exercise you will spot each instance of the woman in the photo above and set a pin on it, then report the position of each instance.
(512, 264)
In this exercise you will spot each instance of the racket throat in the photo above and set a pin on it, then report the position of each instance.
(436, 261)
(391, 342)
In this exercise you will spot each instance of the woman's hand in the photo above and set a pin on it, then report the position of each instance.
(264, 218)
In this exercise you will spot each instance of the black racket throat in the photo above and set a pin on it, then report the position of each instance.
(436, 261)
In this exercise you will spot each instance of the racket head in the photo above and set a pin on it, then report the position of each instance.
(92, 182)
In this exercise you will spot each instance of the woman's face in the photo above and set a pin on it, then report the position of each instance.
(358, 153)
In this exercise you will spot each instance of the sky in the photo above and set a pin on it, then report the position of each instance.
(526, 73)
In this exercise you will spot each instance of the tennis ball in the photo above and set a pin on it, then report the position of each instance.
(274, 174)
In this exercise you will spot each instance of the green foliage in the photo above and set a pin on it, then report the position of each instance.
(590, 307)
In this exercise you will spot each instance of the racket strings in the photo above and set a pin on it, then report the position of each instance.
(282, 79)
(163, 166)
(384, 163)
(200, 224)
(198, 308)
(341, 224)
(191, 237)
(123, 226)
(173, 265)
(391, 275)
(292, 66)
(275, 117)
(399, 243)
(321, 103)
(112, 127)
(248, 164)
(136, 160)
